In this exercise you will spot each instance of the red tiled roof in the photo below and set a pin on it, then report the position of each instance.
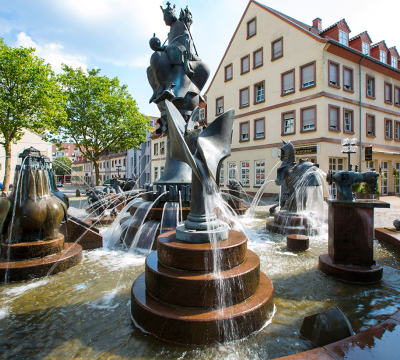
(333, 25)
(359, 35)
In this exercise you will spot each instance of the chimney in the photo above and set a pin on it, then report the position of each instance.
(317, 23)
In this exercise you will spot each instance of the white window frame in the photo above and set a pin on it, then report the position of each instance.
(347, 121)
(260, 92)
(288, 123)
(343, 37)
(365, 48)
(259, 172)
(232, 171)
(394, 62)
(397, 130)
(382, 56)
(245, 173)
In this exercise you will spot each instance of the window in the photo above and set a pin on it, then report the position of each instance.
(288, 123)
(245, 173)
(112, 163)
(155, 173)
(397, 95)
(259, 172)
(287, 80)
(370, 165)
(388, 129)
(228, 72)
(334, 118)
(382, 56)
(394, 62)
(124, 162)
(155, 149)
(244, 97)
(221, 175)
(348, 121)
(388, 92)
(219, 108)
(335, 165)
(259, 92)
(161, 170)
(258, 58)
(396, 179)
(202, 114)
(365, 48)
(259, 131)
(370, 125)
(119, 161)
(307, 75)
(251, 28)
(333, 74)
(348, 79)
(244, 131)
(370, 87)
(245, 64)
(277, 49)
(232, 171)
(343, 37)
(162, 147)
(396, 130)
(308, 116)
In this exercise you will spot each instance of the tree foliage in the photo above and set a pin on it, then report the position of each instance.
(62, 165)
(101, 115)
(30, 97)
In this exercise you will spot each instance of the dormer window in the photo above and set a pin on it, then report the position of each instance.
(382, 57)
(343, 37)
(394, 62)
(365, 48)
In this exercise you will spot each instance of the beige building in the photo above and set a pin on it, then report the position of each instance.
(28, 139)
(111, 165)
(292, 81)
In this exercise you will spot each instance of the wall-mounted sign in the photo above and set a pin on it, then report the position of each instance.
(306, 150)
(368, 153)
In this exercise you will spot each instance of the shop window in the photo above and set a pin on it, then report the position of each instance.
(259, 172)
(245, 173)
(232, 171)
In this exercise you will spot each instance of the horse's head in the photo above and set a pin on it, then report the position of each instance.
(287, 153)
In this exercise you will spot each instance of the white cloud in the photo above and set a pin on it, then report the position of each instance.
(52, 53)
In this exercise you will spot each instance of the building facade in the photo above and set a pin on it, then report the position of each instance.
(112, 165)
(28, 139)
(292, 81)
(65, 149)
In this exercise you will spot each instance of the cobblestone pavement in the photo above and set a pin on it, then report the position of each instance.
(385, 217)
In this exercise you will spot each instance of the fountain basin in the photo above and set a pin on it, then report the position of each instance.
(286, 222)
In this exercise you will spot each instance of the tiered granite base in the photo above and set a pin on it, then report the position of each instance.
(286, 223)
(181, 299)
(350, 255)
(30, 260)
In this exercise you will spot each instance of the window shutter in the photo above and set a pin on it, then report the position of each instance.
(333, 113)
(388, 89)
(347, 78)
(288, 81)
(397, 96)
(308, 117)
(245, 64)
(277, 48)
(307, 74)
(244, 97)
(257, 58)
(370, 127)
(288, 116)
(228, 72)
(259, 126)
(252, 28)
(245, 128)
(333, 72)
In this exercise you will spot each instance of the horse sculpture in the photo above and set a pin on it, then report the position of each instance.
(294, 178)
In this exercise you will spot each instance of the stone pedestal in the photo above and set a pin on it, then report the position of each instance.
(180, 298)
(30, 260)
(297, 242)
(350, 241)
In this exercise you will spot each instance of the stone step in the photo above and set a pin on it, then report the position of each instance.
(200, 257)
(199, 289)
(201, 326)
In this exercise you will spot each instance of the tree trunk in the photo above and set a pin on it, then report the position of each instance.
(7, 173)
(96, 171)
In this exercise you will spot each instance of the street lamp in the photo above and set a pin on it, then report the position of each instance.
(349, 147)
(118, 167)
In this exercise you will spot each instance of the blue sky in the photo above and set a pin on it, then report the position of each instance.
(113, 35)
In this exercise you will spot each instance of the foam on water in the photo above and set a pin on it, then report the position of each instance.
(19, 290)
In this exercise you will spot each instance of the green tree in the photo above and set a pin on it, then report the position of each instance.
(62, 165)
(30, 98)
(101, 115)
